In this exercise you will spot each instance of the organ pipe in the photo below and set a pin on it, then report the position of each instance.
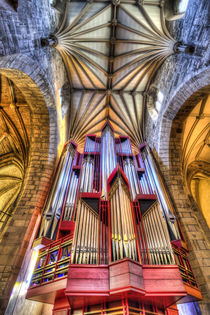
(126, 147)
(85, 244)
(56, 198)
(163, 197)
(109, 160)
(122, 227)
(157, 237)
(71, 197)
(87, 174)
(90, 145)
(131, 174)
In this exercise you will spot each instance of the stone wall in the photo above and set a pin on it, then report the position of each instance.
(31, 82)
(39, 73)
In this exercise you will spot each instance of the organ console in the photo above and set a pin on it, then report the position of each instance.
(109, 239)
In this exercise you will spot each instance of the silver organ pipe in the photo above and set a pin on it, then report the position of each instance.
(157, 237)
(71, 198)
(118, 147)
(90, 145)
(103, 232)
(131, 174)
(85, 244)
(158, 186)
(87, 175)
(122, 227)
(98, 145)
(142, 243)
(55, 201)
(126, 147)
(109, 160)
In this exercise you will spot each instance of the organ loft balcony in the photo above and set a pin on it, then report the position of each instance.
(109, 233)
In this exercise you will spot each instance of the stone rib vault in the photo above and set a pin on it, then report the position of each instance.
(111, 51)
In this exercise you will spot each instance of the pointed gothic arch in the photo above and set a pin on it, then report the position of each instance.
(22, 226)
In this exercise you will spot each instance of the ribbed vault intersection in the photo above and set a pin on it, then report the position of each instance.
(112, 50)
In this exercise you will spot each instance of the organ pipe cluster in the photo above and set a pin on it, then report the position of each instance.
(157, 236)
(100, 192)
(71, 197)
(87, 174)
(85, 245)
(157, 185)
(131, 174)
(55, 201)
(122, 224)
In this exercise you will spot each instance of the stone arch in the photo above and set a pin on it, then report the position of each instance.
(178, 98)
(169, 145)
(21, 229)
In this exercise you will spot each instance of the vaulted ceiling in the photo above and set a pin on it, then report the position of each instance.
(112, 50)
(196, 138)
(14, 145)
(196, 153)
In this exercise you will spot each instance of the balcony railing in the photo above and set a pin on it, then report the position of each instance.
(53, 261)
(184, 266)
(155, 248)
(126, 309)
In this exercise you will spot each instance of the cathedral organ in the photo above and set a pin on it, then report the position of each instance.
(109, 239)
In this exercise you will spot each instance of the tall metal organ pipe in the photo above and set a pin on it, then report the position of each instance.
(85, 244)
(56, 198)
(122, 227)
(87, 175)
(157, 236)
(131, 174)
(71, 197)
(90, 145)
(126, 147)
(159, 188)
(109, 160)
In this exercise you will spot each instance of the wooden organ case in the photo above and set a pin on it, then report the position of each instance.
(109, 241)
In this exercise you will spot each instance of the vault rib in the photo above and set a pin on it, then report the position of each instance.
(128, 48)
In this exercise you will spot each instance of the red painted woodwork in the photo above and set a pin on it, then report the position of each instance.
(125, 154)
(109, 124)
(181, 244)
(61, 304)
(140, 171)
(90, 195)
(113, 174)
(146, 201)
(46, 292)
(73, 143)
(67, 226)
(126, 275)
(76, 167)
(88, 280)
(193, 294)
(142, 146)
(89, 284)
(163, 280)
(41, 242)
(172, 310)
(146, 197)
